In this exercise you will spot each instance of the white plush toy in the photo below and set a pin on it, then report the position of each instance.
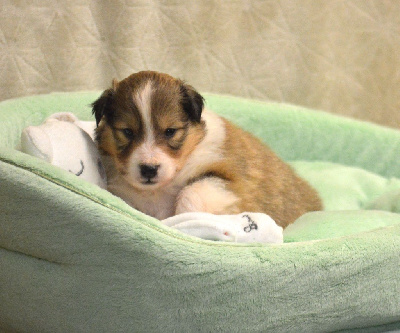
(241, 228)
(66, 142)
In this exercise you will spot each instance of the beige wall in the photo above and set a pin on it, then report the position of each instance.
(338, 56)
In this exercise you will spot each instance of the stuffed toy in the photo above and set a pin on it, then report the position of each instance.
(241, 228)
(66, 142)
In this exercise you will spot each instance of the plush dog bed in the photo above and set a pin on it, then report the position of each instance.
(74, 258)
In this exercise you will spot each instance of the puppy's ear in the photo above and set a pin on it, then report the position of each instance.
(102, 106)
(192, 102)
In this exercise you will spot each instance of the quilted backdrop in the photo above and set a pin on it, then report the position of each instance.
(339, 56)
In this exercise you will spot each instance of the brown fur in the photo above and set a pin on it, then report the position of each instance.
(262, 181)
(166, 113)
(249, 169)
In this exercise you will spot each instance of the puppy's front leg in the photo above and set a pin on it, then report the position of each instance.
(208, 195)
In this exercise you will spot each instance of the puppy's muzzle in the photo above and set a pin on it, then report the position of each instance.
(149, 171)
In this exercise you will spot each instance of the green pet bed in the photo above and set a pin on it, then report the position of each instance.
(75, 258)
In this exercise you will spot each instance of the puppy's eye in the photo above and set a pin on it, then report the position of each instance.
(170, 132)
(128, 133)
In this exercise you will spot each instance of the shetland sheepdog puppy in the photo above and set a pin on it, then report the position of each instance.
(165, 155)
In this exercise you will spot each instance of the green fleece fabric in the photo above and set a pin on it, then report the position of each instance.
(75, 258)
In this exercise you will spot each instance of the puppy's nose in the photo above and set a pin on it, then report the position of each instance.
(149, 170)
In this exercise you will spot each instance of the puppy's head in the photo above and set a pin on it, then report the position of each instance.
(149, 123)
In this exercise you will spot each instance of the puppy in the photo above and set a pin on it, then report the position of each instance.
(165, 155)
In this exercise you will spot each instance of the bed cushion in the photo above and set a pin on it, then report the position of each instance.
(73, 257)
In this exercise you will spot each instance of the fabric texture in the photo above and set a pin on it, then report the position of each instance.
(75, 258)
(338, 56)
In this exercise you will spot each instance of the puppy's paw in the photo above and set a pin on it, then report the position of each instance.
(206, 195)
(190, 200)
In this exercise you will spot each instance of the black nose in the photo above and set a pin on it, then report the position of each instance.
(149, 170)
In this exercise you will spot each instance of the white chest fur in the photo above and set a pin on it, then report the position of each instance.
(159, 204)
